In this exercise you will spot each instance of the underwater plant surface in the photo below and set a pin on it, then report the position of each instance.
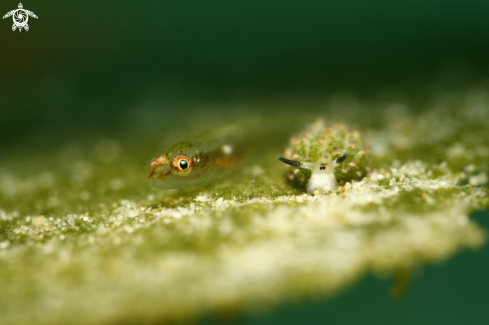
(84, 238)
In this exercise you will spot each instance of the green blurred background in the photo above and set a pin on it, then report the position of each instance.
(93, 67)
(84, 65)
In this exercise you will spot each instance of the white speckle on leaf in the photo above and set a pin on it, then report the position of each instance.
(203, 198)
(71, 219)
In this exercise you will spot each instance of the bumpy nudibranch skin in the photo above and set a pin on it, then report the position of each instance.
(325, 156)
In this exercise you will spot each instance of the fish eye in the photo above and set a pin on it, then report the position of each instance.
(181, 164)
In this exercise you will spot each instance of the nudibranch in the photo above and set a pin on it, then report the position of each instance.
(324, 156)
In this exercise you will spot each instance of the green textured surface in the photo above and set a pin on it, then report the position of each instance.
(84, 239)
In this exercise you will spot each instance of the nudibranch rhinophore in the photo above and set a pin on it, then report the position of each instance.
(326, 155)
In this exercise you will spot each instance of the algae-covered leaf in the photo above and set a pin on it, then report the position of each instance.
(89, 242)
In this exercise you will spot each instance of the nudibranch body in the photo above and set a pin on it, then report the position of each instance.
(325, 155)
(197, 160)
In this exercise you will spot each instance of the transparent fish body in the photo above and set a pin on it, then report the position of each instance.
(199, 159)
(324, 156)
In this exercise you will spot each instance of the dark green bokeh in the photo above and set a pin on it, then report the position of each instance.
(84, 64)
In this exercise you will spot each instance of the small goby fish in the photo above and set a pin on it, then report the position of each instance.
(325, 155)
(197, 160)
